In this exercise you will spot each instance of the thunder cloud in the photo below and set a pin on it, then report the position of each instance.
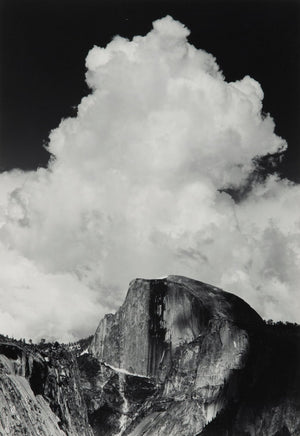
(137, 188)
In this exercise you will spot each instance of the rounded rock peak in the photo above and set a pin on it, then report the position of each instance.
(215, 302)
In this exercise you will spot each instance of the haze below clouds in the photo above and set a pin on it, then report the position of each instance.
(136, 189)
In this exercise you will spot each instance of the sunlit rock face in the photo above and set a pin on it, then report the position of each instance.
(158, 316)
(179, 357)
(40, 393)
(188, 337)
(23, 412)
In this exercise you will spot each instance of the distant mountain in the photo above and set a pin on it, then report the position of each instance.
(179, 358)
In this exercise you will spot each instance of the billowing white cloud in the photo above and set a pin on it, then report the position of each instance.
(135, 189)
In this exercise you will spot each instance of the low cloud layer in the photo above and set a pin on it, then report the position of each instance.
(136, 189)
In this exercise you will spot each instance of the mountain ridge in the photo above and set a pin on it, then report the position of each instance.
(178, 357)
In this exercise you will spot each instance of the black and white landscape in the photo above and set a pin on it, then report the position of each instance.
(179, 357)
(145, 140)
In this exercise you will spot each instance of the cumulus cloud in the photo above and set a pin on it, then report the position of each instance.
(137, 188)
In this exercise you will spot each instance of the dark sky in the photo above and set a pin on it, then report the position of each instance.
(44, 44)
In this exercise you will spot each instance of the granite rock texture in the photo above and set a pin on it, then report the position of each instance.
(179, 357)
(189, 338)
(158, 316)
(40, 393)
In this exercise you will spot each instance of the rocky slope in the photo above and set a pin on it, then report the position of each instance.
(209, 356)
(179, 357)
(190, 339)
(40, 392)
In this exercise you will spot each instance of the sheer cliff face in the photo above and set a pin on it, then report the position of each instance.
(214, 367)
(159, 316)
(40, 394)
(21, 411)
(189, 337)
(180, 357)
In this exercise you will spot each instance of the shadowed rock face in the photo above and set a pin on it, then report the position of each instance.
(40, 393)
(158, 316)
(180, 357)
(190, 338)
(22, 409)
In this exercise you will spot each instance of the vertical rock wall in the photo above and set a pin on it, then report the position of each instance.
(189, 338)
(40, 395)
(21, 411)
(157, 317)
(179, 357)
